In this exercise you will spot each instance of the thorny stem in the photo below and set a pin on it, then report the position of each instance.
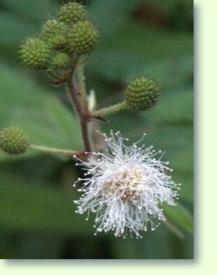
(82, 86)
(75, 95)
(50, 150)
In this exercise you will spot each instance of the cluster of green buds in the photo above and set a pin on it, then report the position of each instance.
(61, 42)
(59, 50)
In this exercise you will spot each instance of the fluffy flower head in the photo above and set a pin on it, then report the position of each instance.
(125, 186)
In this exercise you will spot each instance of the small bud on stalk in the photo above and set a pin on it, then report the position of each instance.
(142, 94)
(35, 53)
(82, 38)
(60, 61)
(72, 12)
(13, 140)
(54, 33)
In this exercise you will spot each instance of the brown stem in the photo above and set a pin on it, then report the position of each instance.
(74, 95)
(82, 86)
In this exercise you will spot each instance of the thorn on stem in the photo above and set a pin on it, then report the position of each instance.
(91, 117)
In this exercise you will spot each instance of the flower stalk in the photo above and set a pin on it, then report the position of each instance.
(121, 106)
(50, 150)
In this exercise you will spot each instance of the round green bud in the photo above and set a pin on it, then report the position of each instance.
(54, 32)
(35, 53)
(13, 140)
(82, 38)
(52, 26)
(142, 93)
(60, 61)
(72, 13)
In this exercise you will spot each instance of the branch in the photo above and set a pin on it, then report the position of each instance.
(74, 94)
(65, 152)
(82, 85)
(110, 110)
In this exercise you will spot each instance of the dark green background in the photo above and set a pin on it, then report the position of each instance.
(37, 219)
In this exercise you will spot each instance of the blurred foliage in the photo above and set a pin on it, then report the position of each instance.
(48, 121)
(37, 218)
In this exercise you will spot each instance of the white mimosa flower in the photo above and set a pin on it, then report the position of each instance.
(125, 186)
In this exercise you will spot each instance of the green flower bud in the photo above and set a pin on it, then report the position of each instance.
(54, 32)
(72, 13)
(13, 140)
(142, 93)
(35, 53)
(60, 61)
(82, 37)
